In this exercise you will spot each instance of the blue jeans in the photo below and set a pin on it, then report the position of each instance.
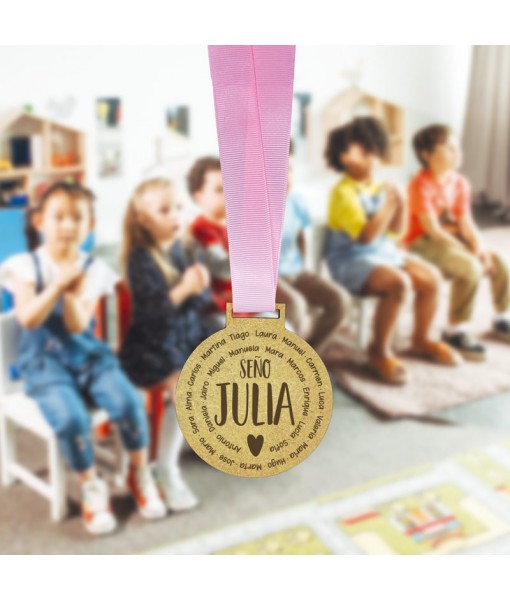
(64, 406)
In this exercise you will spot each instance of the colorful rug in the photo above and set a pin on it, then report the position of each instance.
(460, 505)
(433, 388)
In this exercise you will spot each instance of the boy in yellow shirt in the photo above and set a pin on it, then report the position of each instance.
(365, 217)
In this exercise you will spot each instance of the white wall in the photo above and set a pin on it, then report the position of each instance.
(429, 81)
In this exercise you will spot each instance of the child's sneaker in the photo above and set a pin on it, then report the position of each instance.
(467, 345)
(95, 508)
(176, 492)
(141, 484)
(501, 329)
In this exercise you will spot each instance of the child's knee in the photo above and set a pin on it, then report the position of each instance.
(73, 425)
(432, 280)
(399, 286)
(127, 405)
(502, 266)
(470, 271)
(296, 304)
(339, 302)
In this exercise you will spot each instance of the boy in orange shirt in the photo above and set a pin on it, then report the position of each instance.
(442, 230)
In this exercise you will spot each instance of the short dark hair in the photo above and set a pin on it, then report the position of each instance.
(368, 132)
(197, 173)
(426, 139)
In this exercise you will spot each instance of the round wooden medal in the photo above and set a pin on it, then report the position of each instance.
(254, 399)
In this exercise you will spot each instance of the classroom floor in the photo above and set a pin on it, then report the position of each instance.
(358, 447)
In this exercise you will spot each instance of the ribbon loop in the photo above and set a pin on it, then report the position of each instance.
(253, 87)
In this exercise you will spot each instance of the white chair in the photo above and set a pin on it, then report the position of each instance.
(18, 411)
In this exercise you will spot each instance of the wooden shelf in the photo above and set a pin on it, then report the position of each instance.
(51, 144)
(28, 171)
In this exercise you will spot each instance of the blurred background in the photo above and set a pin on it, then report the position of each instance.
(422, 470)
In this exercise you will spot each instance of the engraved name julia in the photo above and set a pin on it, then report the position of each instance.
(262, 402)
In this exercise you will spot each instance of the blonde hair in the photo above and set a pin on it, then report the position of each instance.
(137, 236)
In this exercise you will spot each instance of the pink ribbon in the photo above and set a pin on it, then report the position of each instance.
(253, 88)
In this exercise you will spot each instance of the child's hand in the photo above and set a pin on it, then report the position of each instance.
(68, 276)
(195, 279)
(485, 257)
(394, 194)
(204, 274)
(76, 286)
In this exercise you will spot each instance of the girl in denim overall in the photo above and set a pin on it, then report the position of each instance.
(62, 364)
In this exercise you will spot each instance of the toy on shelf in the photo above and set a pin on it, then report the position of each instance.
(69, 159)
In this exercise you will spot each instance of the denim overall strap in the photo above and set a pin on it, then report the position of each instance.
(39, 286)
(88, 262)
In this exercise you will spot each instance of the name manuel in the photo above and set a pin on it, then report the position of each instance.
(293, 345)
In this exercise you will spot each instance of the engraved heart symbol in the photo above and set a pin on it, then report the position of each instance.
(255, 444)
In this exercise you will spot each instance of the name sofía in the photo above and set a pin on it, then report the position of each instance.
(264, 403)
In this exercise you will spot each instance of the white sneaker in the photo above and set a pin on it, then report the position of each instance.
(175, 490)
(146, 494)
(97, 515)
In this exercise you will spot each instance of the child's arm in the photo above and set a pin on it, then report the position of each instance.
(434, 230)
(301, 243)
(194, 281)
(33, 309)
(77, 311)
(217, 260)
(305, 218)
(214, 255)
(380, 222)
(421, 202)
(471, 235)
(400, 218)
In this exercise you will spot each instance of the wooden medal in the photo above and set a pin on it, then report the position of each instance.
(254, 399)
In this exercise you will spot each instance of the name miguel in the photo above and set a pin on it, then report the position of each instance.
(263, 402)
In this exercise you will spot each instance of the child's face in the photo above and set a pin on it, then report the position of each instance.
(160, 213)
(64, 221)
(210, 198)
(446, 156)
(359, 162)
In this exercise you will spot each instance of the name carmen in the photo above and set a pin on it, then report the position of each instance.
(262, 402)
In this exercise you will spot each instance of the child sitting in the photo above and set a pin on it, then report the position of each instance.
(169, 291)
(443, 232)
(300, 289)
(209, 229)
(56, 287)
(364, 218)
